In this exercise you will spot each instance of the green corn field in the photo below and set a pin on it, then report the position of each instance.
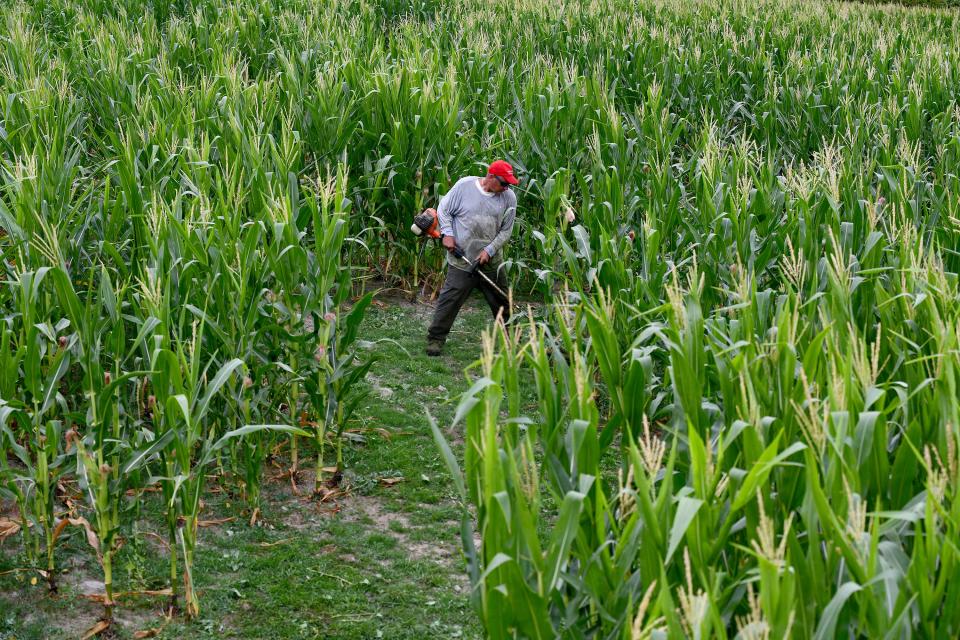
(727, 404)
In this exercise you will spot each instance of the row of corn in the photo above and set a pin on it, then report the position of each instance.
(193, 345)
(746, 414)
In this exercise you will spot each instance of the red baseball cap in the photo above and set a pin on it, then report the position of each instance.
(502, 169)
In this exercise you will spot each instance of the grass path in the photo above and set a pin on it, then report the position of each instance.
(384, 561)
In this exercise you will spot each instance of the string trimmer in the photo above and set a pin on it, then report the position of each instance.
(427, 225)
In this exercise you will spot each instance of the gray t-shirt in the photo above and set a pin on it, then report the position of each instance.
(477, 220)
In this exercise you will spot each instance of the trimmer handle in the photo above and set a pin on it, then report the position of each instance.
(457, 251)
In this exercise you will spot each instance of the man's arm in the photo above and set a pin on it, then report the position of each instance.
(448, 209)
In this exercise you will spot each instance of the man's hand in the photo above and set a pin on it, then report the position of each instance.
(449, 243)
(484, 257)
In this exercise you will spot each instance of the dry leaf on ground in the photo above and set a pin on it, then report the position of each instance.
(213, 523)
(96, 629)
(8, 528)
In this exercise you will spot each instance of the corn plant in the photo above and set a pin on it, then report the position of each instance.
(112, 448)
(33, 424)
(184, 400)
(333, 390)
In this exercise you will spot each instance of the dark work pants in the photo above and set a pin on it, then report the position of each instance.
(456, 289)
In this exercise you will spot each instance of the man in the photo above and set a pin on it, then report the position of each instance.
(477, 216)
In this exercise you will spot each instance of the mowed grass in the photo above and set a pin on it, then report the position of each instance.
(382, 561)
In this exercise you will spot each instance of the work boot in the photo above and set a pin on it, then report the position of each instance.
(434, 347)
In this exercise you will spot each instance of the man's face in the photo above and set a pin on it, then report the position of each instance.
(495, 184)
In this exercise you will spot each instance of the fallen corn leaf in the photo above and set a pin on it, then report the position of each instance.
(8, 528)
(389, 482)
(101, 597)
(148, 633)
(213, 523)
(324, 494)
(96, 629)
(148, 592)
(97, 597)
(278, 542)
